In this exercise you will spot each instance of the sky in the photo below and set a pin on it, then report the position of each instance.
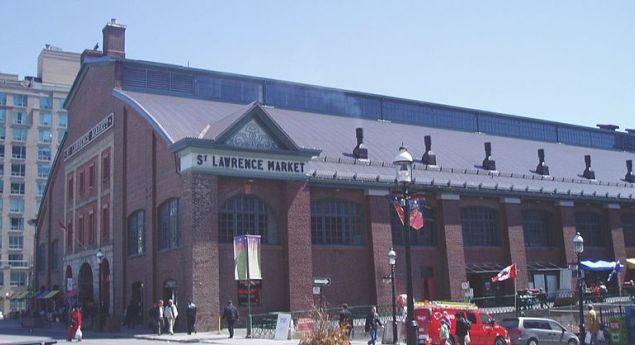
(567, 61)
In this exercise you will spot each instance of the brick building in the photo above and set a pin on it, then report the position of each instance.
(162, 165)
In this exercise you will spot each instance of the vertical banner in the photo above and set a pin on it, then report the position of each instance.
(247, 257)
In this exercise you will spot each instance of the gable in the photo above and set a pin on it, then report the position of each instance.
(252, 136)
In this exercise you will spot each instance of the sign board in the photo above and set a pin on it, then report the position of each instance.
(282, 326)
(321, 281)
(246, 163)
(316, 290)
(89, 136)
(243, 292)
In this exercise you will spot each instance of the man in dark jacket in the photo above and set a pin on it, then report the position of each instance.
(190, 313)
(230, 314)
(462, 328)
(346, 320)
(372, 324)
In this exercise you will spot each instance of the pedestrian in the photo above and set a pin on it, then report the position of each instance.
(74, 325)
(171, 313)
(372, 324)
(230, 314)
(592, 326)
(190, 313)
(462, 329)
(444, 331)
(156, 315)
(346, 321)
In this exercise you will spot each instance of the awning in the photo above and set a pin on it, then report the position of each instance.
(41, 294)
(51, 294)
(72, 293)
(543, 266)
(483, 268)
(21, 295)
(601, 265)
(630, 263)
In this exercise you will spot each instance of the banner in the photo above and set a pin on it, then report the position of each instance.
(508, 272)
(247, 257)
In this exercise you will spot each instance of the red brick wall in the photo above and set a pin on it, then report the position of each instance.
(380, 242)
(451, 242)
(299, 265)
(515, 239)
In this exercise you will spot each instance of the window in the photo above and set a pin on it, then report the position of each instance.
(44, 153)
(1, 169)
(424, 237)
(3, 115)
(16, 205)
(62, 120)
(1, 189)
(19, 100)
(43, 170)
(19, 134)
(41, 187)
(70, 188)
(81, 182)
(18, 278)
(169, 231)
(3, 136)
(17, 188)
(480, 226)
(1, 151)
(537, 228)
(17, 260)
(247, 215)
(136, 233)
(91, 228)
(105, 223)
(628, 226)
(69, 237)
(20, 117)
(336, 222)
(16, 242)
(55, 255)
(3, 98)
(45, 119)
(17, 223)
(45, 136)
(1, 279)
(40, 258)
(18, 152)
(46, 102)
(60, 134)
(60, 103)
(18, 170)
(91, 176)
(80, 231)
(105, 168)
(591, 227)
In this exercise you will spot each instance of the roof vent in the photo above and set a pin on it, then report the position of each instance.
(607, 127)
(429, 157)
(629, 172)
(360, 151)
(588, 173)
(488, 162)
(542, 168)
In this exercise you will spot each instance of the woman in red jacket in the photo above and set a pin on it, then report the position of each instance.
(74, 324)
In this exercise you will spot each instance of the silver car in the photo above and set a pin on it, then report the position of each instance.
(535, 331)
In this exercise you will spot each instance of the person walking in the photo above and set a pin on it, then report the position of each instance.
(156, 315)
(230, 314)
(592, 325)
(74, 325)
(372, 325)
(462, 329)
(190, 313)
(171, 313)
(346, 321)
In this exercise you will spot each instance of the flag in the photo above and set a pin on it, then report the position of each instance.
(507, 273)
(416, 213)
(399, 210)
(616, 269)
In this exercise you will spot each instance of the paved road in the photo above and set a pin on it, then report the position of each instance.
(12, 332)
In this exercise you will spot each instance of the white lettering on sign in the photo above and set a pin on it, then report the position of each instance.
(89, 136)
(249, 164)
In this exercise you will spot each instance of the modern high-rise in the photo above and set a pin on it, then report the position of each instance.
(32, 124)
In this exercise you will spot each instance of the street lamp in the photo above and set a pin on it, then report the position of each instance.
(403, 165)
(392, 259)
(100, 257)
(578, 248)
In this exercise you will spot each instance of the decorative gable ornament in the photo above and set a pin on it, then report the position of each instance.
(252, 136)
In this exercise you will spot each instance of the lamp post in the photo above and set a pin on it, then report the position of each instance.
(578, 248)
(403, 164)
(100, 257)
(392, 259)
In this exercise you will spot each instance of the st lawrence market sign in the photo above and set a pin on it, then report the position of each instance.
(89, 136)
(228, 162)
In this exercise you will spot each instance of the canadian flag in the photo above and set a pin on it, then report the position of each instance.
(506, 273)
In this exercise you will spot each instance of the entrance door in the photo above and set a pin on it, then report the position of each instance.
(85, 285)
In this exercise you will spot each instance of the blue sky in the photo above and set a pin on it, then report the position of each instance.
(567, 61)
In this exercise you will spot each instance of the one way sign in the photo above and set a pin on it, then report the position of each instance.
(321, 281)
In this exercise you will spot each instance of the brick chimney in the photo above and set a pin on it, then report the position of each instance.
(488, 162)
(360, 151)
(114, 39)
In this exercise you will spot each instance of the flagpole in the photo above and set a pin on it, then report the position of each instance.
(515, 297)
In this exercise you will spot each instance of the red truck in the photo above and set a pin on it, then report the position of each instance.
(484, 329)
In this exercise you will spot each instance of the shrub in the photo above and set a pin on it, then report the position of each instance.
(326, 331)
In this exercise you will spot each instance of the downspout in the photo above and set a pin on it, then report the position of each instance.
(155, 231)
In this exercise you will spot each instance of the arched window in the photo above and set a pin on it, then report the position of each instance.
(480, 226)
(247, 215)
(136, 233)
(590, 226)
(169, 227)
(336, 222)
(537, 228)
(628, 226)
(427, 236)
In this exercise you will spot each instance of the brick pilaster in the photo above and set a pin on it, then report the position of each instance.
(567, 218)
(516, 239)
(453, 248)
(617, 236)
(298, 246)
(380, 242)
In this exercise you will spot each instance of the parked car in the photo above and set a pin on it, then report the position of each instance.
(484, 329)
(535, 331)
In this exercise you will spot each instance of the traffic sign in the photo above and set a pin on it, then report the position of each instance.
(321, 281)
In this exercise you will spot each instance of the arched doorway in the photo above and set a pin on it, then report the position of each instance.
(136, 304)
(85, 285)
(105, 287)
